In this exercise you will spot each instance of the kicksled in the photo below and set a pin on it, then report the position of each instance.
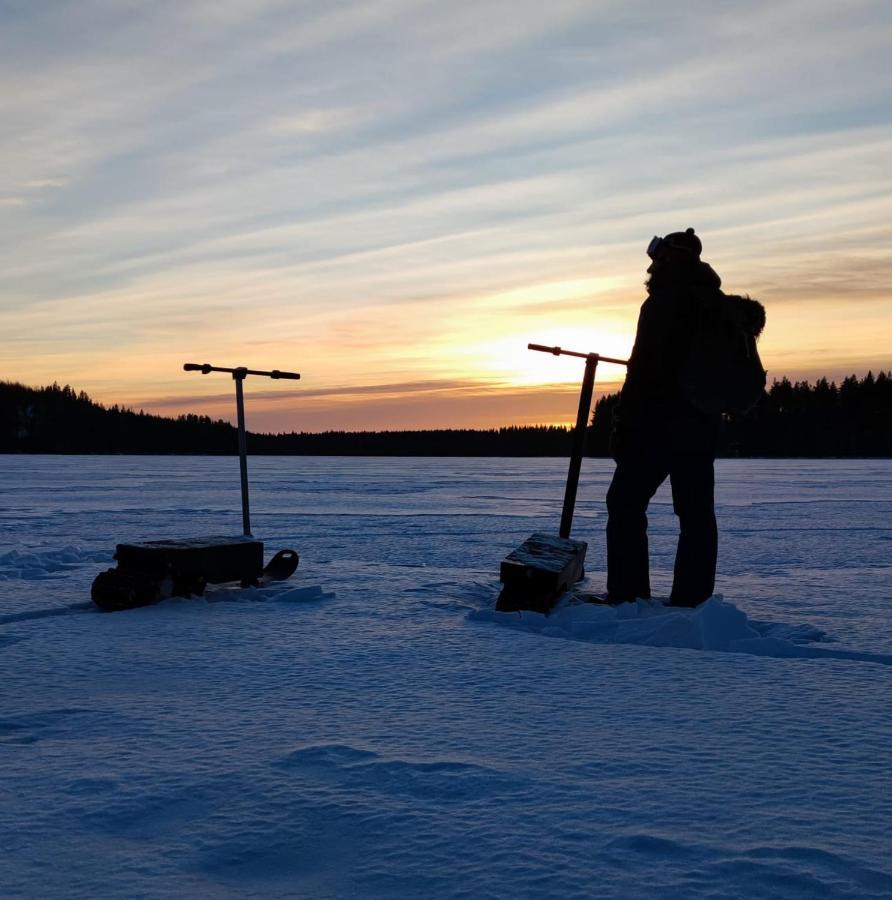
(546, 566)
(151, 571)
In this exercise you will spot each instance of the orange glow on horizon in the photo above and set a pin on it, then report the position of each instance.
(467, 366)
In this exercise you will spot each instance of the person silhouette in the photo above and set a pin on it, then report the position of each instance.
(659, 433)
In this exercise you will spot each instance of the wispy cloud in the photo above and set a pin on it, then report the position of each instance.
(39, 184)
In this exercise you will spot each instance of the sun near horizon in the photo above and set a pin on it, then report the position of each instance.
(394, 199)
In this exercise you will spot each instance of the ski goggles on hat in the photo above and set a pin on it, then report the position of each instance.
(687, 241)
(653, 248)
(658, 244)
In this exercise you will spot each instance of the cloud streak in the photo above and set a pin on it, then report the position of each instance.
(433, 404)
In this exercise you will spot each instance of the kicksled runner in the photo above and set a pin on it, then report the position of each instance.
(151, 571)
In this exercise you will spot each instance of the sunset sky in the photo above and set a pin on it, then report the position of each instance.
(394, 197)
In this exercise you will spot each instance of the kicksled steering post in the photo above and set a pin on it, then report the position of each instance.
(238, 376)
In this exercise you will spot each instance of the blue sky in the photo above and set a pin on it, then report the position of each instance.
(394, 197)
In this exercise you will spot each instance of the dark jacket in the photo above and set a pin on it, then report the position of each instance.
(653, 408)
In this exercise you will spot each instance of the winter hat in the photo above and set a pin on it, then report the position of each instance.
(684, 240)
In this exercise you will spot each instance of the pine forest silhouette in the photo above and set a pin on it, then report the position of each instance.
(852, 419)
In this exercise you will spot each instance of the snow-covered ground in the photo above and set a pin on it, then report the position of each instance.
(372, 728)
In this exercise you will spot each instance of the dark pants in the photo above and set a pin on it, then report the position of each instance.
(635, 481)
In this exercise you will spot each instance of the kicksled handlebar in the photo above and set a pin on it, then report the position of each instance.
(241, 372)
(559, 351)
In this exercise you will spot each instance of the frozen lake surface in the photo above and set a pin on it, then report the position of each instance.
(372, 728)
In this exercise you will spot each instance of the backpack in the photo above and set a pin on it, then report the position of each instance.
(723, 372)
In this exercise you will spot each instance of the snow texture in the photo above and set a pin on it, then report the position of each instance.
(373, 728)
(548, 553)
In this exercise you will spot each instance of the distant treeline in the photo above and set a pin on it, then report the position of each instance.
(532, 440)
(61, 420)
(853, 418)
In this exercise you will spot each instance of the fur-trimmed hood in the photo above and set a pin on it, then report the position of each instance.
(702, 283)
(745, 312)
